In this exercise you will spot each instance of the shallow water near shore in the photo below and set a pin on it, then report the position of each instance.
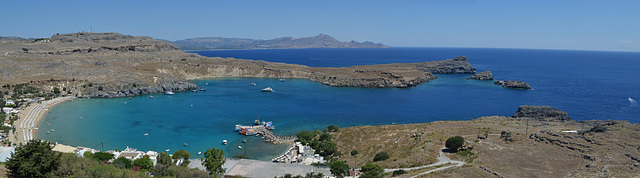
(586, 84)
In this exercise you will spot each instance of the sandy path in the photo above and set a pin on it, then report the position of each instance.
(442, 159)
(30, 117)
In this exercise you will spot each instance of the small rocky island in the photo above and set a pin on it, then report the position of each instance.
(513, 84)
(541, 113)
(486, 75)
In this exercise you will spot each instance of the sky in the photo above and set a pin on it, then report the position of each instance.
(607, 25)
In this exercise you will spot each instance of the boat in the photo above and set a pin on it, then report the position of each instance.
(268, 89)
(202, 89)
(169, 93)
(145, 134)
(224, 142)
(200, 152)
(244, 140)
(167, 150)
(185, 144)
(129, 98)
(283, 80)
(48, 132)
(51, 130)
(253, 84)
(239, 147)
(151, 96)
(195, 91)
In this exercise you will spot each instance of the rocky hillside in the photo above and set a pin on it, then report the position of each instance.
(540, 141)
(116, 65)
(319, 41)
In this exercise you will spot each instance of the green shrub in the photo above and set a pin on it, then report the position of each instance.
(398, 172)
(381, 157)
(454, 142)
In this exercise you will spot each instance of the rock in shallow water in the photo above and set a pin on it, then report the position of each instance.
(513, 84)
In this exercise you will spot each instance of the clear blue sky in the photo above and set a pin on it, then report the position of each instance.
(612, 25)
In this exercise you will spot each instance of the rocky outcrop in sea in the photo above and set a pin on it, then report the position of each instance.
(542, 113)
(513, 84)
(486, 75)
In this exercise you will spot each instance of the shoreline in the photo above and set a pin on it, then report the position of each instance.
(30, 118)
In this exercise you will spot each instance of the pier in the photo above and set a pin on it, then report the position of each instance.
(270, 137)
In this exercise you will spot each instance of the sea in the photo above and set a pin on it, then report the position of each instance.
(587, 84)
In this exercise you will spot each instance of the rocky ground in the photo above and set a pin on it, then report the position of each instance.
(116, 65)
(528, 144)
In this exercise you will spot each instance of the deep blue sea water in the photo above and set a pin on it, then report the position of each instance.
(586, 84)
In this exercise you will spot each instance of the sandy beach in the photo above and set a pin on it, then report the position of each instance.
(30, 118)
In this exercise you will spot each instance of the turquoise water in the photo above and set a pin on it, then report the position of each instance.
(588, 85)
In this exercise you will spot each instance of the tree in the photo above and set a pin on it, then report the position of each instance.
(101, 156)
(454, 142)
(35, 159)
(213, 160)
(333, 128)
(305, 136)
(182, 154)
(371, 171)
(339, 168)
(354, 153)
(56, 90)
(122, 162)
(381, 156)
(328, 148)
(145, 163)
(325, 136)
(164, 158)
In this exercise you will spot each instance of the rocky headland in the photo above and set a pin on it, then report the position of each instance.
(115, 65)
(486, 75)
(513, 84)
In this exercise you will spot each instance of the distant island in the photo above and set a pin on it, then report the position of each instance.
(318, 41)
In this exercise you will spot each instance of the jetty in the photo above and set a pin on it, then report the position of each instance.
(270, 137)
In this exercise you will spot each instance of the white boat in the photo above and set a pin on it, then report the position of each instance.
(167, 150)
(145, 134)
(268, 89)
(169, 93)
(202, 89)
(283, 80)
(200, 152)
(239, 147)
(151, 96)
(224, 142)
(195, 91)
(253, 84)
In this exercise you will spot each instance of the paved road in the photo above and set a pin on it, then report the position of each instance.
(442, 159)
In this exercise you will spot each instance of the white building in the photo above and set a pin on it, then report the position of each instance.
(7, 110)
(8, 102)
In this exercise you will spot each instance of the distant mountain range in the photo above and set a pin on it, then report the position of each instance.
(319, 41)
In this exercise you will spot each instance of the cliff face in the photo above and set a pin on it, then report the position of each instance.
(115, 65)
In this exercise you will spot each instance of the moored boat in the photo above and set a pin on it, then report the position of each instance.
(268, 89)
(169, 93)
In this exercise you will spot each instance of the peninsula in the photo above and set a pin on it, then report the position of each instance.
(106, 65)
(318, 41)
